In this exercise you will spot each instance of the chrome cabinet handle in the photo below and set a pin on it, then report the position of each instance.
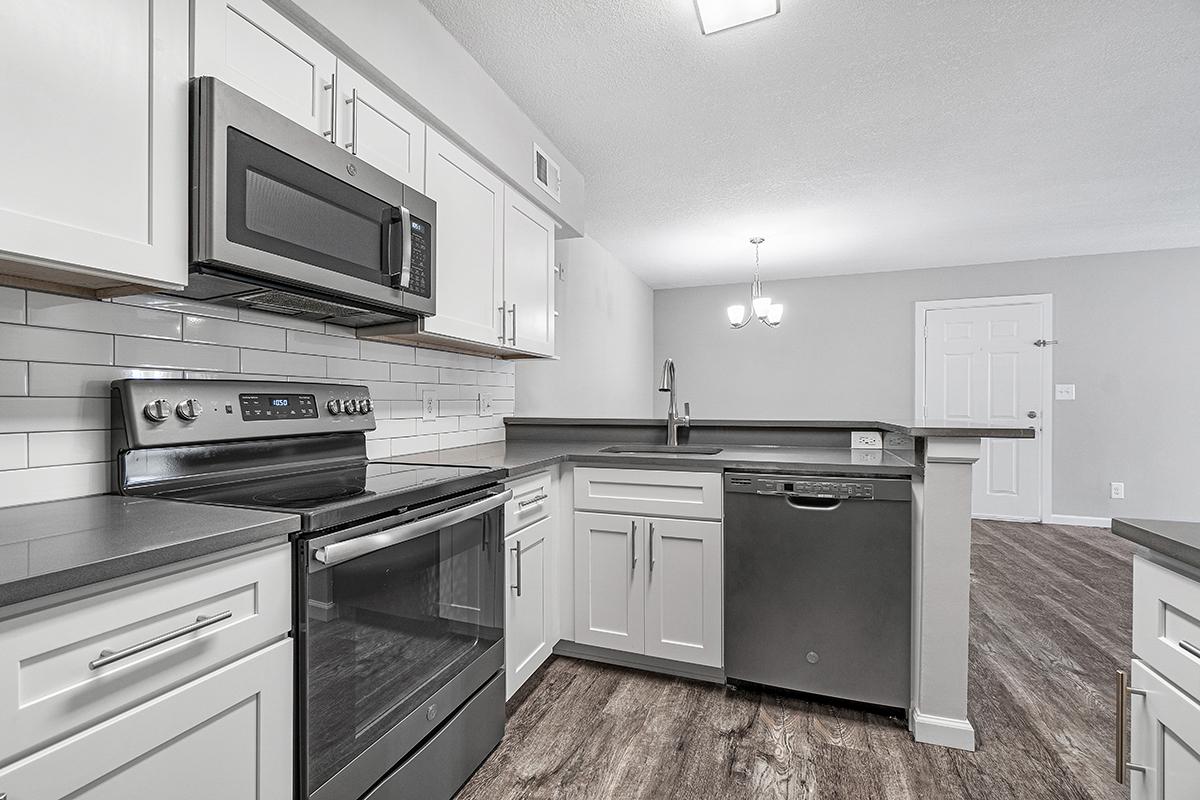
(352, 101)
(652, 547)
(532, 500)
(517, 586)
(513, 339)
(339, 552)
(1185, 646)
(633, 545)
(111, 656)
(1123, 767)
(332, 87)
(503, 322)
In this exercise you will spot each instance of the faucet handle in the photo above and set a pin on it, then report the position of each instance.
(687, 411)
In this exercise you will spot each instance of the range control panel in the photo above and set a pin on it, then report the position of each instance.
(156, 413)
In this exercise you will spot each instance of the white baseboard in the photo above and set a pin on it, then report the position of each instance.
(944, 731)
(1004, 518)
(1087, 522)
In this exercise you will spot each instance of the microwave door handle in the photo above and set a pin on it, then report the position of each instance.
(340, 552)
(405, 247)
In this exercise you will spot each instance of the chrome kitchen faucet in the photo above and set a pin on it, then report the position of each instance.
(674, 421)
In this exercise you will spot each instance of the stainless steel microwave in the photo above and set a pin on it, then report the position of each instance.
(282, 220)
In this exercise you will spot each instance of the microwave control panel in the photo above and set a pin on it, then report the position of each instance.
(421, 235)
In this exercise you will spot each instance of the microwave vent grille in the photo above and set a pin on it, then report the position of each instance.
(285, 303)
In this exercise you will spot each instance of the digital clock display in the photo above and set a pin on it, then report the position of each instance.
(277, 406)
(279, 402)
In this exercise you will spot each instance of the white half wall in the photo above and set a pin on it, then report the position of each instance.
(605, 342)
(1129, 339)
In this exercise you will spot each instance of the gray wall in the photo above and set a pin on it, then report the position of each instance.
(1129, 332)
(605, 334)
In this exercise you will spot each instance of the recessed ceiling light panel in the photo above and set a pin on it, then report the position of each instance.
(717, 15)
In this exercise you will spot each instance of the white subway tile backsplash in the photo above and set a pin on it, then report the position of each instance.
(209, 330)
(27, 343)
(73, 313)
(270, 363)
(340, 330)
(56, 367)
(349, 369)
(20, 486)
(69, 447)
(14, 449)
(134, 352)
(321, 344)
(12, 305)
(14, 378)
(84, 380)
(25, 414)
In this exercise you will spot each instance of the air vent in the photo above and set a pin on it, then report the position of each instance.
(285, 303)
(546, 173)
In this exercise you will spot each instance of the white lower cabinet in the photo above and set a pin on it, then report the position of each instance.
(227, 734)
(1165, 735)
(649, 585)
(527, 625)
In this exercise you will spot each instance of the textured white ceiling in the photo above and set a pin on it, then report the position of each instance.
(860, 135)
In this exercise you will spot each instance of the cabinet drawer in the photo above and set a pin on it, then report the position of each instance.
(531, 501)
(1166, 623)
(663, 493)
(51, 683)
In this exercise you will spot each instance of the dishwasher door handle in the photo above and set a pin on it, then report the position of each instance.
(802, 503)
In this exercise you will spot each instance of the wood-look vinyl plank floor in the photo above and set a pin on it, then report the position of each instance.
(1050, 623)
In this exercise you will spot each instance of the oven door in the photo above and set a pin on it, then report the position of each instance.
(280, 206)
(400, 623)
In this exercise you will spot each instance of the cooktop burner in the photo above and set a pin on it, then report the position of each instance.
(307, 497)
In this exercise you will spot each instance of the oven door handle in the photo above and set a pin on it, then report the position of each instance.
(339, 552)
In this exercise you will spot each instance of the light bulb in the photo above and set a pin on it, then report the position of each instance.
(774, 313)
(736, 314)
(761, 304)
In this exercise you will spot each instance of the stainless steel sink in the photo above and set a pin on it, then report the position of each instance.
(687, 449)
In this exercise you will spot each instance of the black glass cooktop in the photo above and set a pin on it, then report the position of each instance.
(330, 497)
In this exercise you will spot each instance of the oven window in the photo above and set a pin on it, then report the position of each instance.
(279, 204)
(388, 629)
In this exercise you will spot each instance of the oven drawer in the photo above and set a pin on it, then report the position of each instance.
(1166, 623)
(54, 679)
(532, 500)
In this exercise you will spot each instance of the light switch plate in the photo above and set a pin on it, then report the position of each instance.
(485, 404)
(1064, 391)
(429, 405)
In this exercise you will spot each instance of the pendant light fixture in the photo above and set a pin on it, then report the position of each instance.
(768, 313)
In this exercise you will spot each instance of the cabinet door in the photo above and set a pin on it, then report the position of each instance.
(470, 215)
(684, 591)
(1165, 740)
(379, 130)
(253, 48)
(227, 734)
(527, 638)
(610, 591)
(94, 155)
(528, 274)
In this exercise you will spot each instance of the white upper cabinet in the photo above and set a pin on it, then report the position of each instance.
(94, 155)
(528, 275)
(253, 48)
(470, 245)
(380, 131)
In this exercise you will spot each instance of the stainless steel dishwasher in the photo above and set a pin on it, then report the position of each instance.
(818, 585)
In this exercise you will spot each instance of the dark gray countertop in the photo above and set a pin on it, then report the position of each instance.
(923, 428)
(1179, 540)
(525, 456)
(51, 547)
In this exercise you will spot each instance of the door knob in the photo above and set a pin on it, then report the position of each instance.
(1032, 415)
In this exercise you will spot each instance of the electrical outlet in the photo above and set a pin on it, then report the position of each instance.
(1117, 491)
(429, 405)
(485, 404)
(1064, 391)
(866, 440)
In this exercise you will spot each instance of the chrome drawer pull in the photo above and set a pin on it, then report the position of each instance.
(1189, 648)
(517, 551)
(532, 500)
(1123, 767)
(111, 656)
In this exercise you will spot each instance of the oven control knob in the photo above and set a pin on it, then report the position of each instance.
(350, 406)
(189, 410)
(157, 410)
(365, 406)
(334, 406)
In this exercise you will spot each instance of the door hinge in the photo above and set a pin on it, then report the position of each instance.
(926, 331)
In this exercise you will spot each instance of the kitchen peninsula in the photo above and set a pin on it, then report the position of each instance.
(937, 457)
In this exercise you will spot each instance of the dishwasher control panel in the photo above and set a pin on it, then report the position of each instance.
(838, 490)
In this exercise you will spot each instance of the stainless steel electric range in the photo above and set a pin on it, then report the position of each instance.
(399, 609)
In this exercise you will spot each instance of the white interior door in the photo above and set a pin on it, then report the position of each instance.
(981, 366)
